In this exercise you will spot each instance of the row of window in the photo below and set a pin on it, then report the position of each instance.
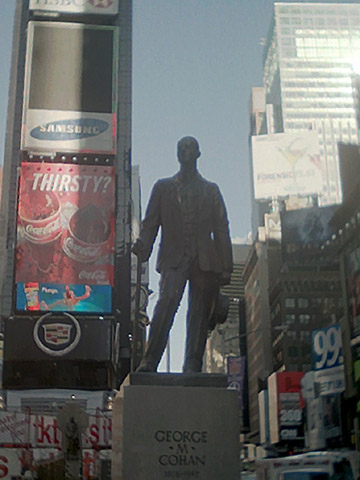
(312, 115)
(295, 351)
(311, 52)
(314, 301)
(323, 42)
(310, 32)
(286, 22)
(313, 103)
(312, 285)
(319, 93)
(292, 367)
(327, 83)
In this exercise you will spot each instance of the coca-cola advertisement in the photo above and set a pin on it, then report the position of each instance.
(65, 233)
(53, 297)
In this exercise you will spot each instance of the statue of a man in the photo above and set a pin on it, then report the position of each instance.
(195, 247)
(72, 438)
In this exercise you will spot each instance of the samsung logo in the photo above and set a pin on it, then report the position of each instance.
(70, 129)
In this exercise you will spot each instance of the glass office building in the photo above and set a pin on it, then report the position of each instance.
(310, 58)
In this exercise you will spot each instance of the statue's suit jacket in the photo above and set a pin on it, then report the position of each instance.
(212, 230)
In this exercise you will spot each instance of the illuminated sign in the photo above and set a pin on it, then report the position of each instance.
(65, 237)
(70, 129)
(34, 296)
(70, 95)
(95, 7)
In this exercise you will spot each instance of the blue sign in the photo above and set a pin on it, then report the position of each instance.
(47, 297)
(327, 348)
(69, 129)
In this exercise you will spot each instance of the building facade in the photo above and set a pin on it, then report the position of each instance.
(225, 340)
(310, 57)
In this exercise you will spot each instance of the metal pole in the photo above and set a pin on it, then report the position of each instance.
(168, 356)
(134, 349)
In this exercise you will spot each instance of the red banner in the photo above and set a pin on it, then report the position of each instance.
(66, 224)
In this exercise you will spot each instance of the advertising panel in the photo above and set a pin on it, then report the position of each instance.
(11, 463)
(65, 237)
(82, 116)
(286, 164)
(95, 7)
(328, 360)
(236, 376)
(352, 275)
(349, 160)
(285, 406)
(41, 431)
(306, 229)
(34, 296)
(60, 335)
(290, 405)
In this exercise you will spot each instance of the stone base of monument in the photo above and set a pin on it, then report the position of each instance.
(175, 426)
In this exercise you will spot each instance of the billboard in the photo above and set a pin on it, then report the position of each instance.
(35, 296)
(82, 116)
(58, 335)
(286, 164)
(95, 7)
(285, 406)
(65, 237)
(352, 276)
(306, 229)
(349, 160)
(328, 360)
(236, 377)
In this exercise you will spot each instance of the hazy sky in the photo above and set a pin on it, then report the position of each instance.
(194, 63)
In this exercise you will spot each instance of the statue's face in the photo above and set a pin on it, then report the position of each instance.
(188, 150)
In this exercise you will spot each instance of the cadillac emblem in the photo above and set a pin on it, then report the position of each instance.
(57, 335)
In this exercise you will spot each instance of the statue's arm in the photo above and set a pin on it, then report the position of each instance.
(149, 226)
(222, 236)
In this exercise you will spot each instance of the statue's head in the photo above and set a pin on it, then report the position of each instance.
(188, 150)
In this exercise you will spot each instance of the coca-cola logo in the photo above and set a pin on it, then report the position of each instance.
(98, 275)
(89, 251)
(45, 231)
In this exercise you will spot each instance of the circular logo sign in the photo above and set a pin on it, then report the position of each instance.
(57, 335)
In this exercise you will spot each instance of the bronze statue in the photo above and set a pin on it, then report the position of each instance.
(195, 246)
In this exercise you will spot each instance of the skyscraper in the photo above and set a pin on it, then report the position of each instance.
(311, 54)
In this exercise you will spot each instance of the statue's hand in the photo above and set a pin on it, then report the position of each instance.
(138, 249)
(224, 278)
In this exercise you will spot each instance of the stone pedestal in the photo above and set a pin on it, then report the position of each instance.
(175, 426)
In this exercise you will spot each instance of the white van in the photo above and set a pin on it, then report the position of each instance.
(332, 465)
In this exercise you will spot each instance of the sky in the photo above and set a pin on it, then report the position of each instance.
(194, 63)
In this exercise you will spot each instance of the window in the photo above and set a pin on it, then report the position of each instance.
(293, 351)
(303, 302)
(285, 20)
(304, 318)
(290, 318)
(305, 350)
(290, 302)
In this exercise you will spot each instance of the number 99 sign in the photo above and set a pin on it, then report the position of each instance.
(327, 347)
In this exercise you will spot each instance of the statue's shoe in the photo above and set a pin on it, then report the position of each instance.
(145, 367)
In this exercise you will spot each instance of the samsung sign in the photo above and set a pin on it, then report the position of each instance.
(97, 7)
(69, 129)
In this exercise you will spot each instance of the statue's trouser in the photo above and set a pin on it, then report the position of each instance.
(203, 292)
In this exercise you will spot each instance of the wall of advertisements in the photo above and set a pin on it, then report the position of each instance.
(65, 237)
(67, 230)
